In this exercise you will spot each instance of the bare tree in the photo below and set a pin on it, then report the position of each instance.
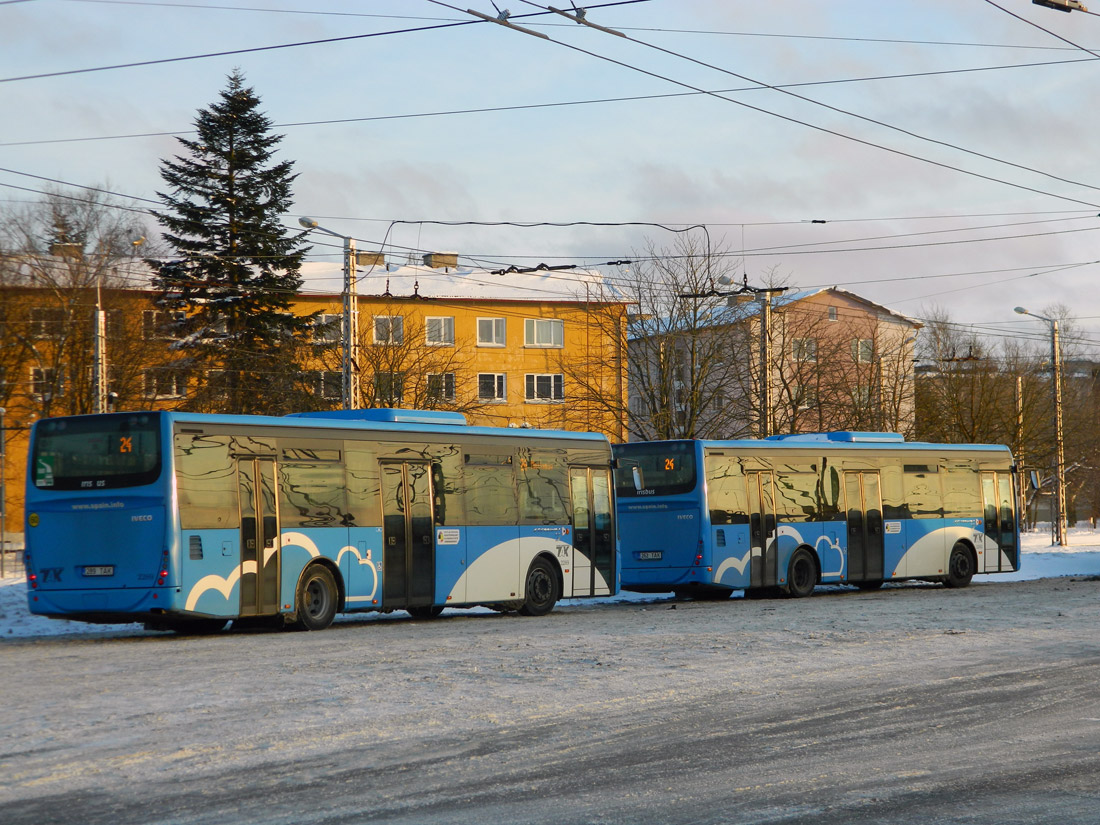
(62, 257)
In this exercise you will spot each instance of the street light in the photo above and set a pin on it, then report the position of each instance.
(1059, 519)
(349, 326)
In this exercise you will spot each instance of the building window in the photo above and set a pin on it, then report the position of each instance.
(326, 329)
(491, 386)
(325, 383)
(804, 349)
(47, 322)
(439, 332)
(389, 387)
(863, 350)
(159, 323)
(832, 314)
(45, 383)
(389, 329)
(490, 332)
(165, 384)
(543, 332)
(546, 388)
(803, 397)
(441, 386)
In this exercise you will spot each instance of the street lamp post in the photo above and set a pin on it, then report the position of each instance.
(349, 325)
(1058, 518)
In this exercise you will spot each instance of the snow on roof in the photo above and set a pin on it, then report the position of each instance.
(535, 284)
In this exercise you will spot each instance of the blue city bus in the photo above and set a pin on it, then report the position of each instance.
(783, 514)
(186, 521)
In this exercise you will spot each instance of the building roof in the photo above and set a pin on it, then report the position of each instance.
(454, 283)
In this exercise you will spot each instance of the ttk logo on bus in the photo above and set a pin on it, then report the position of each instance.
(51, 574)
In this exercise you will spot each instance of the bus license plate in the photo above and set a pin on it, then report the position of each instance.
(650, 555)
(101, 570)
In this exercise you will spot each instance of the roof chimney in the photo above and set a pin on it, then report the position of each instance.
(441, 260)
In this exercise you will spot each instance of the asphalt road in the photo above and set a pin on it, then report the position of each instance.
(911, 705)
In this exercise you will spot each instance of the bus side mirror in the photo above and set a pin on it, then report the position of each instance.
(1033, 477)
(639, 482)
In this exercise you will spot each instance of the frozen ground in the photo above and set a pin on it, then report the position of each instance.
(1040, 560)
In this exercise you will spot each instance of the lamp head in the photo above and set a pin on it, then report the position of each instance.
(308, 223)
(1021, 311)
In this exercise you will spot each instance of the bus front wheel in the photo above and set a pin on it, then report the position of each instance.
(316, 599)
(960, 567)
(801, 574)
(541, 590)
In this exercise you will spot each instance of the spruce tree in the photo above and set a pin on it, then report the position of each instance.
(229, 291)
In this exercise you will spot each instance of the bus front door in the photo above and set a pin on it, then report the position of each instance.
(259, 556)
(866, 545)
(408, 535)
(762, 530)
(1000, 522)
(593, 536)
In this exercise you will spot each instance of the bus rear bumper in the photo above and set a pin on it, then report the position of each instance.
(111, 606)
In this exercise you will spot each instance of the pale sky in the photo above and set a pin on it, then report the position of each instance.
(380, 129)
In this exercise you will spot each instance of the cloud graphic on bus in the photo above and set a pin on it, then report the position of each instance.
(223, 585)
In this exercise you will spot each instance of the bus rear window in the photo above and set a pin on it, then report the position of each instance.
(662, 468)
(96, 452)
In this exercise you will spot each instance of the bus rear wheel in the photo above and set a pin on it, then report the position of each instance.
(316, 599)
(960, 567)
(541, 589)
(801, 574)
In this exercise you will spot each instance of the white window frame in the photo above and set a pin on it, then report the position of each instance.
(544, 333)
(445, 331)
(500, 387)
(327, 329)
(165, 383)
(863, 350)
(44, 380)
(155, 321)
(327, 384)
(447, 385)
(556, 387)
(397, 386)
(804, 349)
(497, 329)
(395, 324)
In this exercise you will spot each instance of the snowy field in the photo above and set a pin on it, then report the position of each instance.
(1040, 560)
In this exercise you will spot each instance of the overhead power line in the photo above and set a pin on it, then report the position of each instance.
(255, 49)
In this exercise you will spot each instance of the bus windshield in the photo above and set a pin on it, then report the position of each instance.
(96, 452)
(659, 468)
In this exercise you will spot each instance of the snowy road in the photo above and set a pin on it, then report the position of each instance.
(912, 704)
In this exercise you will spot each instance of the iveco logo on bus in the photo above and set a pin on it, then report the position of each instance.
(685, 516)
(141, 518)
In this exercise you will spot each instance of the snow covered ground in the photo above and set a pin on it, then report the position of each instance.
(1040, 560)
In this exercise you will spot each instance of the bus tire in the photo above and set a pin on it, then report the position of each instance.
(801, 574)
(541, 590)
(426, 612)
(960, 566)
(316, 599)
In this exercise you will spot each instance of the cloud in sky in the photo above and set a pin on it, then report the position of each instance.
(682, 159)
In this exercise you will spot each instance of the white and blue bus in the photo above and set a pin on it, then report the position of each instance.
(186, 521)
(783, 514)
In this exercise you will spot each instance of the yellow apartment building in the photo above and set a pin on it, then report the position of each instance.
(509, 349)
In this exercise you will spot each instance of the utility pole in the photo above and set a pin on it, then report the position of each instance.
(1058, 511)
(99, 358)
(349, 322)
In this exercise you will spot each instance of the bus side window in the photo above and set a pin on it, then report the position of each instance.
(921, 484)
(726, 493)
(829, 499)
(206, 482)
(364, 494)
(894, 505)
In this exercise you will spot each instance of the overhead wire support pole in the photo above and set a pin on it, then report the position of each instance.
(349, 320)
